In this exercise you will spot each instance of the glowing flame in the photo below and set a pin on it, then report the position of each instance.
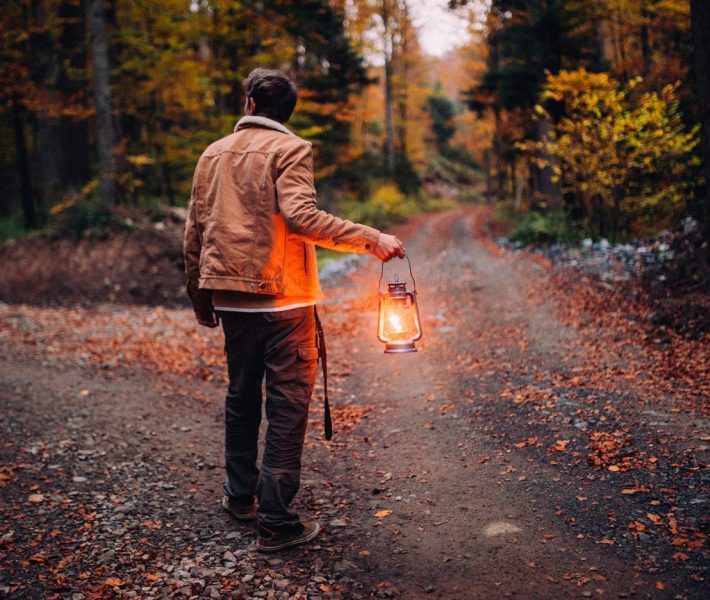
(396, 323)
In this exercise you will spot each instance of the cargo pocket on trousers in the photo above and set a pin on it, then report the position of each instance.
(307, 366)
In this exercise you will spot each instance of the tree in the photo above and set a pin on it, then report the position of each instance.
(527, 39)
(387, 17)
(17, 90)
(442, 111)
(102, 99)
(622, 155)
(700, 11)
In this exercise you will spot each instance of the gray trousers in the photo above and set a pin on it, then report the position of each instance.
(279, 347)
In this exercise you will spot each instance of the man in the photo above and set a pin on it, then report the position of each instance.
(250, 262)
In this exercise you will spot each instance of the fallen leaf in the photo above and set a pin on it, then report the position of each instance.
(655, 519)
(36, 498)
(561, 446)
(381, 514)
(113, 581)
(150, 524)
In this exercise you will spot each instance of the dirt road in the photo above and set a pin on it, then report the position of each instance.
(525, 451)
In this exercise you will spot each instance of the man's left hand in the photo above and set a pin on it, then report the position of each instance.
(202, 305)
(207, 319)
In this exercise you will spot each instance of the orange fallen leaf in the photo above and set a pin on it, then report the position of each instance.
(637, 526)
(561, 446)
(381, 514)
(660, 585)
(150, 524)
(655, 519)
(113, 581)
(613, 468)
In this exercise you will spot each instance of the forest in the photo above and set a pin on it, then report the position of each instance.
(580, 119)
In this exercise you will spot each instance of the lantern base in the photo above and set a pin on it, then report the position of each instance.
(399, 348)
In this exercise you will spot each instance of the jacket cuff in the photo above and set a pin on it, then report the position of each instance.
(372, 238)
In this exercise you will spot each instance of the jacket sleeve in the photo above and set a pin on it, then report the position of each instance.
(191, 249)
(296, 194)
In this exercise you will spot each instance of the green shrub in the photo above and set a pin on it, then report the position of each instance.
(534, 227)
(11, 228)
(386, 205)
(85, 217)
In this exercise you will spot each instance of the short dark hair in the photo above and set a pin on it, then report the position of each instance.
(274, 94)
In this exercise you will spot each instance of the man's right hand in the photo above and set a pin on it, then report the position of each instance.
(388, 246)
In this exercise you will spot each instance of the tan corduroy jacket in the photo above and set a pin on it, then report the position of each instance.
(252, 218)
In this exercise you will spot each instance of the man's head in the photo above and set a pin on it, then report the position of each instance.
(270, 94)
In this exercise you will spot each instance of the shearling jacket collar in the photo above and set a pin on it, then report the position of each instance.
(250, 120)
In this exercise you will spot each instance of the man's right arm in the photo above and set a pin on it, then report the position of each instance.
(296, 192)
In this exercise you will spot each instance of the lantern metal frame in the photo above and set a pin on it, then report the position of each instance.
(398, 289)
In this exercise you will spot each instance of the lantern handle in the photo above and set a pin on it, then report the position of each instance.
(382, 272)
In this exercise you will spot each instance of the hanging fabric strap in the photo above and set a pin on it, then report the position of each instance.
(322, 354)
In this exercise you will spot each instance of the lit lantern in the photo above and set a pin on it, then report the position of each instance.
(398, 320)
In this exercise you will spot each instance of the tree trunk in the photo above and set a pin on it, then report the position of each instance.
(489, 180)
(617, 195)
(700, 20)
(102, 99)
(389, 100)
(29, 213)
(76, 156)
(498, 151)
(404, 82)
(47, 142)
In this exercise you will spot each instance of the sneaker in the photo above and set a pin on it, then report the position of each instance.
(241, 513)
(271, 541)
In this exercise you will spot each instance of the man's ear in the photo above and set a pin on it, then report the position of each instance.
(249, 106)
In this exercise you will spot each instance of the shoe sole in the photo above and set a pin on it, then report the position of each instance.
(297, 542)
(238, 517)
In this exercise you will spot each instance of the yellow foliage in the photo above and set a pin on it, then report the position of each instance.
(616, 147)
